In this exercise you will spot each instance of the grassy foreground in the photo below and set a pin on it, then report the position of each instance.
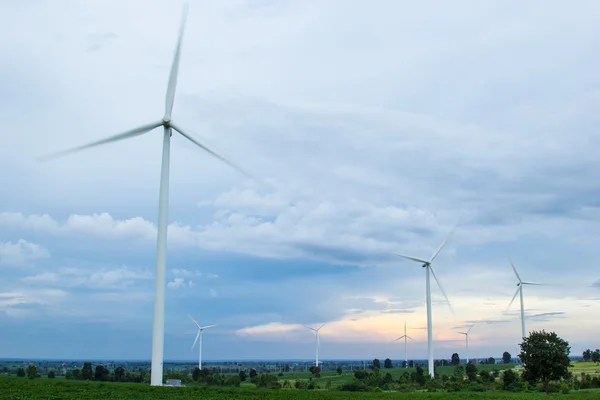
(13, 388)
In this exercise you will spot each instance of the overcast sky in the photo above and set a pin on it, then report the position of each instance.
(377, 126)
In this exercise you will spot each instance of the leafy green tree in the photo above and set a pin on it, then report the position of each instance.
(595, 357)
(101, 373)
(339, 370)
(545, 357)
(242, 376)
(21, 372)
(455, 359)
(51, 374)
(510, 380)
(32, 371)
(491, 360)
(459, 372)
(316, 371)
(69, 375)
(420, 378)
(411, 364)
(506, 357)
(471, 371)
(376, 363)
(86, 372)
(286, 368)
(387, 363)
(587, 355)
(119, 374)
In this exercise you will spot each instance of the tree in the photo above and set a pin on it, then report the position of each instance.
(316, 371)
(404, 364)
(471, 371)
(69, 375)
(455, 359)
(21, 372)
(587, 355)
(51, 374)
(376, 363)
(411, 363)
(545, 357)
(339, 370)
(286, 368)
(510, 380)
(459, 372)
(86, 372)
(491, 360)
(31, 371)
(242, 375)
(506, 357)
(596, 356)
(387, 363)
(101, 373)
(119, 374)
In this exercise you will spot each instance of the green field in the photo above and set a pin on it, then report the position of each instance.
(13, 388)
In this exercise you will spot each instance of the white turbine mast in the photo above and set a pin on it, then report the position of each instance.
(520, 292)
(199, 336)
(316, 331)
(429, 269)
(405, 336)
(467, 339)
(163, 204)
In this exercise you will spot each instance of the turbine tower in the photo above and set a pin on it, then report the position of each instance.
(318, 343)
(158, 330)
(467, 339)
(520, 293)
(405, 336)
(199, 336)
(429, 269)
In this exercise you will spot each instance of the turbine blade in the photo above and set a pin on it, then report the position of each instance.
(199, 327)
(441, 289)
(462, 333)
(411, 338)
(469, 330)
(197, 336)
(170, 98)
(532, 283)
(411, 258)
(443, 243)
(513, 299)
(207, 326)
(312, 329)
(121, 136)
(321, 327)
(514, 269)
(226, 161)
(401, 337)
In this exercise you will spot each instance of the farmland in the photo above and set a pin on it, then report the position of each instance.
(13, 388)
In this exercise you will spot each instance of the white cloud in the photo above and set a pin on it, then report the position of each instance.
(178, 283)
(21, 253)
(101, 278)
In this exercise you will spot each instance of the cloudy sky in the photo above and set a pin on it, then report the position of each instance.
(374, 126)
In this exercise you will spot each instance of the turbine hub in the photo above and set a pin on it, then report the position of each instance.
(166, 120)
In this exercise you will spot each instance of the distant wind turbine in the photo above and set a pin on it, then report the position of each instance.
(467, 339)
(318, 343)
(199, 336)
(429, 269)
(405, 336)
(158, 330)
(520, 292)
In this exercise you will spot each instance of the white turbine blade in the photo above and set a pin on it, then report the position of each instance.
(321, 327)
(411, 338)
(532, 283)
(207, 326)
(401, 337)
(513, 299)
(197, 336)
(411, 258)
(443, 244)
(441, 289)
(199, 327)
(312, 329)
(469, 330)
(226, 161)
(170, 98)
(514, 269)
(121, 136)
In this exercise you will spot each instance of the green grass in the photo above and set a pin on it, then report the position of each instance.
(591, 368)
(13, 388)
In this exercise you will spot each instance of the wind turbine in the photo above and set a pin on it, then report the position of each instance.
(318, 343)
(467, 339)
(199, 336)
(429, 268)
(158, 334)
(520, 292)
(405, 336)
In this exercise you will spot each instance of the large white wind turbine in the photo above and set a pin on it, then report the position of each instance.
(199, 336)
(405, 336)
(520, 292)
(467, 339)
(163, 204)
(318, 343)
(429, 269)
